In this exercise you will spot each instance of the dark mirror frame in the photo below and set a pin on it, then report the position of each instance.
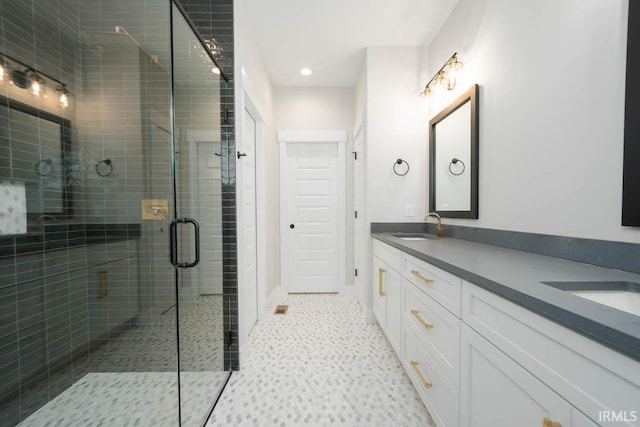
(470, 95)
(631, 171)
(65, 152)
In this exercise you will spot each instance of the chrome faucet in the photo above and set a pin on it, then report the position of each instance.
(440, 227)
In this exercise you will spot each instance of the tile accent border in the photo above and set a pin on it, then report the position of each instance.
(603, 253)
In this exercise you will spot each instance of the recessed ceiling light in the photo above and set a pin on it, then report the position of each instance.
(306, 71)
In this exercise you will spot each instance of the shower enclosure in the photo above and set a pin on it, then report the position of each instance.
(111, 160)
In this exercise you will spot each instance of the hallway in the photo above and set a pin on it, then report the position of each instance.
(318, 365)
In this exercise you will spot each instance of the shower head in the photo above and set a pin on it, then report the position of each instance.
(115, 41)
(121, 41)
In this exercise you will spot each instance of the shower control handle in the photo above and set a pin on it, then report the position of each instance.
(173, 242)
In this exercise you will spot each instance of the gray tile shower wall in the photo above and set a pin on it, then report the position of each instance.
(213, 19)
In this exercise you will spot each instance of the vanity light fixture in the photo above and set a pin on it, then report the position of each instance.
(445, 77)
(31, 79)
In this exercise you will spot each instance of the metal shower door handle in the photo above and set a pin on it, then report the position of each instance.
(173, 242)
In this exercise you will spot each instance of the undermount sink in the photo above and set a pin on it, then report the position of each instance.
(413, 236)
(624, 296)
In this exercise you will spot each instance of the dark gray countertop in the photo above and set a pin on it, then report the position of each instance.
(517, 276)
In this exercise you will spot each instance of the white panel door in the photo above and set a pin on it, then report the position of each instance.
(249, 264)
(312, 182)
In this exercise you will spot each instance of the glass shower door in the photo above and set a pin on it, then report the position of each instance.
(197, 227)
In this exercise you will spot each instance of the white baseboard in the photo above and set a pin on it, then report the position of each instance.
(244, 354)
(369, 317)
(348, 291)
(277, 292)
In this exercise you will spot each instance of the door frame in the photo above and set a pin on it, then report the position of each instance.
(338, 137)
(245, 102)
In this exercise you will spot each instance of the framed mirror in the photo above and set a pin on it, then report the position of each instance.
(453, 158)
(34, 152)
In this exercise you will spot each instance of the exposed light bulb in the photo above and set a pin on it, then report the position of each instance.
(452, 72)
(64, 100)
(37, 86)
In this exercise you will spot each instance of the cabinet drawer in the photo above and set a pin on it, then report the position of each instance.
(438, 329)
(498, 392)
(590, 376)
(387, 254)
(443, 287)
(439, 394)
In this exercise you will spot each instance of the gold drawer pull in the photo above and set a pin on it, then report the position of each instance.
(420, 276)
(421, 320)
(424, 382)
(380, 273)
(548, 422)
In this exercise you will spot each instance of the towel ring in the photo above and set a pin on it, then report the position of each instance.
(400, 170)
(455, 161)
(44, 167)
(104, 167)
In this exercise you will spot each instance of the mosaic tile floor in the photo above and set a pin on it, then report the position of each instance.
(131, 399)
(319, 365)
(132, 377)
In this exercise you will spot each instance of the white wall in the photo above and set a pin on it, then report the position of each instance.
(396, 128)
(252, 80)
(551, 78)
(313, 108)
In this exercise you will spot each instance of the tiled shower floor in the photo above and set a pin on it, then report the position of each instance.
(131, 399)
(132, 379)
(319, 365)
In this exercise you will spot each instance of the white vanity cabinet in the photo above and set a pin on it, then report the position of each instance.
(478, 360)
(546, 366)
(387, 291)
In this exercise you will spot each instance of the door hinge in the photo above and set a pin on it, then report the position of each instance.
(356, 272)
(229, 339)
(356, 214)
(355, 155)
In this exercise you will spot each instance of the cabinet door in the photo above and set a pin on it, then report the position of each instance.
(379, 294)
(497, 392)
(392, 282)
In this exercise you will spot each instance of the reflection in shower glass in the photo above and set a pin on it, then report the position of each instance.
(197, 132)
(89, 300)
